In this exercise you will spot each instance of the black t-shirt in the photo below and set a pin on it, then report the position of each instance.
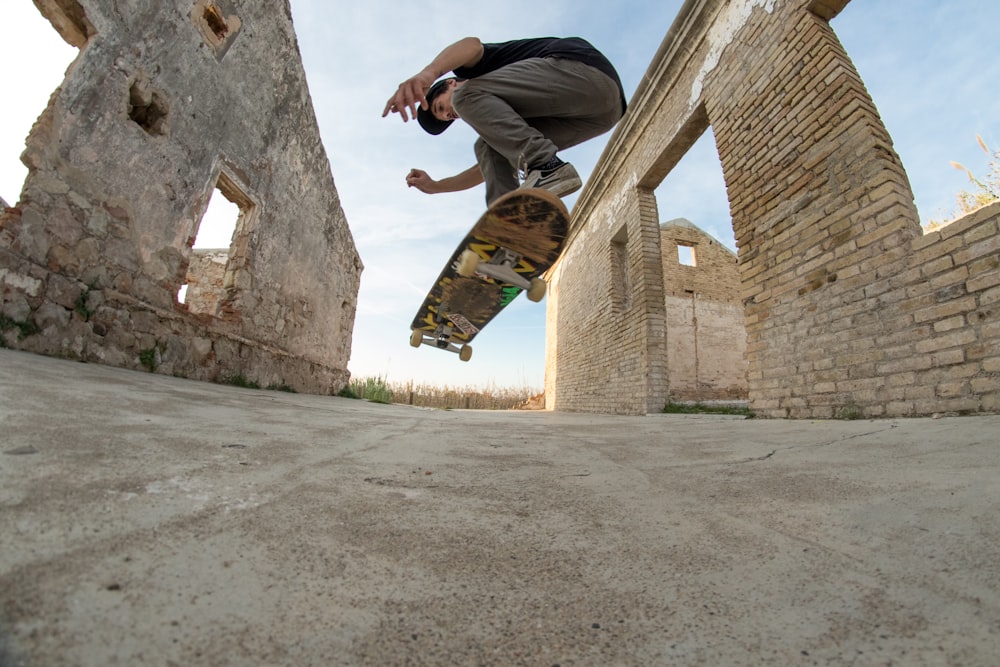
(497, 55)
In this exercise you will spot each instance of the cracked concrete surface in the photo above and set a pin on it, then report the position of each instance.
(154, 520)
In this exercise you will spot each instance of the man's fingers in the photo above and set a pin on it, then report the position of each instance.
(419, 179)
(393, 106)
(413, 94)
(408, 96)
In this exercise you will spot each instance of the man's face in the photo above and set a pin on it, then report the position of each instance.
(441, 107)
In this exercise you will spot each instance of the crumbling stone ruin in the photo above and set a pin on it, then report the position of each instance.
(850, 310)
(166, 103)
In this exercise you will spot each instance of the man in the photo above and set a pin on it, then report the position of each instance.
(526, 99)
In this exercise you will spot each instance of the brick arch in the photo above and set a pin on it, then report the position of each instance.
(818, 197)
(849, 310)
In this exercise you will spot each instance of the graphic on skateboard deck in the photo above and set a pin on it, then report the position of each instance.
(517, 239)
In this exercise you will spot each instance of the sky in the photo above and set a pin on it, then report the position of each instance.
(932, 70)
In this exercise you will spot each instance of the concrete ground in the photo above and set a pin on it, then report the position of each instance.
(149, 520)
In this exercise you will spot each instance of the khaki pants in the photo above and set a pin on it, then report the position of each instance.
(527, 111)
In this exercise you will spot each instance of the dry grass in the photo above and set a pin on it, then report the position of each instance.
(490, 397)
(985, 191)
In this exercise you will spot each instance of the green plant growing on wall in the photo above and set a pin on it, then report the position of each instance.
(984, 191)
(240, 380)
(80, 306)
(148, 359)
(676, 408)
(24, 329)
(849, 412)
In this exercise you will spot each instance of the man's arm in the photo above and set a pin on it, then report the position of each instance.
(420, 180)
(463, 53)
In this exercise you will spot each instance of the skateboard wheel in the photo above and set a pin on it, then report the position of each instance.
(465, 353)
(468, 262)
(416, 338)
(537, 290)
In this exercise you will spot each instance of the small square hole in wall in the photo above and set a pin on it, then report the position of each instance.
(219, 24)
(686, 255)
(215, 21)
(148, 108)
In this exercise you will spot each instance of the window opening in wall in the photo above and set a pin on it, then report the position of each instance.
(621, 295)
(696, 191)
(686, 255)
(218, 224)
(203, 285)
(218, 23)
(27, 32)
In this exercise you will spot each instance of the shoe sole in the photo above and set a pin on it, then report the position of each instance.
(564, 188)
(560, 188)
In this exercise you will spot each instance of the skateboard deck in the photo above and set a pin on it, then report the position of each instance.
(518, 238)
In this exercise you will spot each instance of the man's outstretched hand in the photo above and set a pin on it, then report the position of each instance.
(419, 179)
(409, 94)
(463, 53)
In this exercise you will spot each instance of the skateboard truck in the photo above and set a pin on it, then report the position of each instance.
(501, 268)
(441, 339)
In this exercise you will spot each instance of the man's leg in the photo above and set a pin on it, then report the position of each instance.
(529, 110)
(499, 174)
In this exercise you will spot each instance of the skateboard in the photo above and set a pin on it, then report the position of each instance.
(518, 238)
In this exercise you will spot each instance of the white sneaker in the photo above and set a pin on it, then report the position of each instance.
(560, 179)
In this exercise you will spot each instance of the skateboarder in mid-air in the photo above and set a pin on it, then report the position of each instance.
(526, 99)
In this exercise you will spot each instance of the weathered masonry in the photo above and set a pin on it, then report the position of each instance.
(704, 315)
(167, 103)
(849, 309)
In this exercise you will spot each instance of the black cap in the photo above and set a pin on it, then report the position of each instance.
(427, 120)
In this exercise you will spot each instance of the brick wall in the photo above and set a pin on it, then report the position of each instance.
(940, 349)
(818, 196)
(706, 339)
(849, 309)
(605, 353)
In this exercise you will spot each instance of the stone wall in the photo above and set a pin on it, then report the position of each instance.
(206, 281)
(849, 309)
(166, 103)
